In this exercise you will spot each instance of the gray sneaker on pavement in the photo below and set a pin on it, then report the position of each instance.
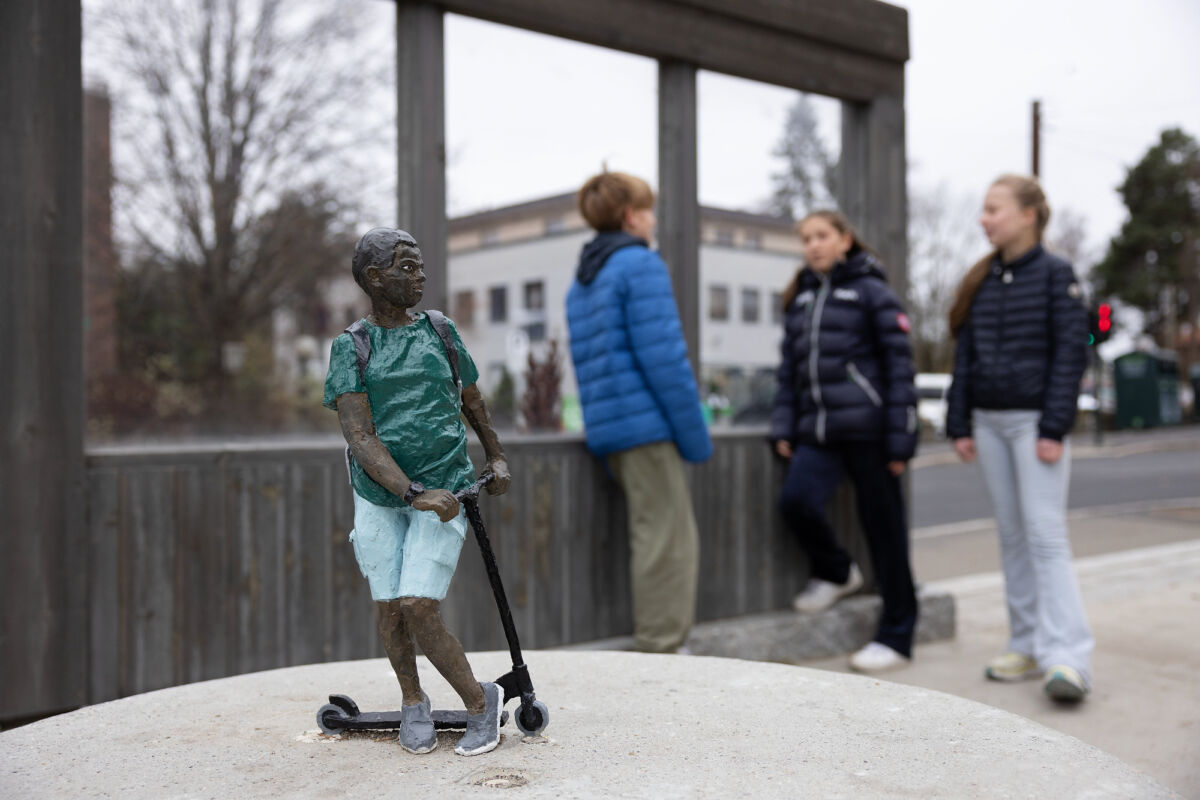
(483, 730)
(417, 735)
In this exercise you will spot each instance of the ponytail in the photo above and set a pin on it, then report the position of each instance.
(960, 310)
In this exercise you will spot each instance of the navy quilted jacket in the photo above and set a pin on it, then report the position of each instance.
(846, 372)
(1024, 345)
(636, 384)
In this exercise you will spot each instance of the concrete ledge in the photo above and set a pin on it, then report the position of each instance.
(788, 637)
(623, 725)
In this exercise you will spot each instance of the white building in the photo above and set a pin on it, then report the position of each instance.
(510, 269)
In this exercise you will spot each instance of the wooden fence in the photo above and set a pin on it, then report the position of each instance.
(214, 561)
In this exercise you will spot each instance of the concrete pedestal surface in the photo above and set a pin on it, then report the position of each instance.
(621, 725)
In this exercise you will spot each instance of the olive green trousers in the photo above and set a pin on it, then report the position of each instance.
(664, 545)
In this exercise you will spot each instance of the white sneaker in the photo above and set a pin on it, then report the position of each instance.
(876, 657)
(820, 595)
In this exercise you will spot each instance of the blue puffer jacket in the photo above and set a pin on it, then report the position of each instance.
(1024, 345)
(635, 382)
(846, 372)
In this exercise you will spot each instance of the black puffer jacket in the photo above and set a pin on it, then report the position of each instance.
(1024, 345)
(847, 370)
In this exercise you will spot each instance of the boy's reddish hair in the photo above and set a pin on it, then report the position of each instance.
(604, 198)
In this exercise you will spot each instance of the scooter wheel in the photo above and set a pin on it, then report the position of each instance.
(533, 720)
(331, 719)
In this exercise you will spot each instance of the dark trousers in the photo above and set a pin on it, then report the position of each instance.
(813, 475)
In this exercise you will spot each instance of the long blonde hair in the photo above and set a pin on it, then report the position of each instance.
(1029, 194)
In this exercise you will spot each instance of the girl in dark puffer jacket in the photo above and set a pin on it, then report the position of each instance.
(846, 403)
(1022, 334)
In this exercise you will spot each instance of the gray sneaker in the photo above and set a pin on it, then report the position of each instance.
(416, 728)
(483, 730)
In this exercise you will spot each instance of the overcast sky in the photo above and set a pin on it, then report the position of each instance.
(529, 115)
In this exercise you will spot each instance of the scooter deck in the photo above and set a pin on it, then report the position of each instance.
(342, 714)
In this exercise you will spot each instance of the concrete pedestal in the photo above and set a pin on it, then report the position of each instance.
(621, 725)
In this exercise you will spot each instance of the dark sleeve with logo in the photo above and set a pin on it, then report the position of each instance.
(891, 328)
(1068, 353)
(783, 412)
(958, 398)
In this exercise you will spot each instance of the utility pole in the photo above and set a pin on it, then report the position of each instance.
(1037, 137)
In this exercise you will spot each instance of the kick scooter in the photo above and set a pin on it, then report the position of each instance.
(341, 713)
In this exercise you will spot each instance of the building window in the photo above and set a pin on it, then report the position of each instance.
(498, 301)
(718, 302)
(536, 331)
(535, 296)
(556, 225)
(753, 240)
(724, 237)
(777, 308)
(464, 308)
(749, 305)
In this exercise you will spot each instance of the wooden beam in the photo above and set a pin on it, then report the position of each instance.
(867, 26)
(44, 656)
(678, 195)
(421, 119)
(734, 44)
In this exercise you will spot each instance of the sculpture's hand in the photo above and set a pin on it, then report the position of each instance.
(501, 477)
(439, 501)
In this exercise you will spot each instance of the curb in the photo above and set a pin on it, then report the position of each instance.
(1080, 452)
(787, 637)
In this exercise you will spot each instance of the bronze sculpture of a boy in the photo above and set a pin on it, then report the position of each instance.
(399, 410)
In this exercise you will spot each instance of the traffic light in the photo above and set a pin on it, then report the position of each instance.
(1100, 324)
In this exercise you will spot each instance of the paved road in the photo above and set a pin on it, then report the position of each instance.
(949, 493)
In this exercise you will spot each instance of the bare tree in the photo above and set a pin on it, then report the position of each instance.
(541, 405)
(809, 178)
(1067, 236)
(943, 242)
(232, 111)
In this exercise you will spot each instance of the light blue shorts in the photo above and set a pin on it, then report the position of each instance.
(403, 552)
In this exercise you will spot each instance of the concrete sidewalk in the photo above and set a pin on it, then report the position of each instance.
(1144, 608)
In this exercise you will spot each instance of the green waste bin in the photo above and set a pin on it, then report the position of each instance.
(1147, 389)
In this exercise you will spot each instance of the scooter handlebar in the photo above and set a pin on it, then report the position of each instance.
(472, 491)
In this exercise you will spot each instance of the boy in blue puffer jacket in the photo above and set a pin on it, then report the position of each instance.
(641, 410)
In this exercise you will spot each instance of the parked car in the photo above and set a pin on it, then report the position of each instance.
(931, 400)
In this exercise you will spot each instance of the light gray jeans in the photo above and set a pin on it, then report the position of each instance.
(1029, 497)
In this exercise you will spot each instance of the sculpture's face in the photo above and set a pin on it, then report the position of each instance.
(402, 282)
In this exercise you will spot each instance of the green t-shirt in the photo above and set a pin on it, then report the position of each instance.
(414, 404)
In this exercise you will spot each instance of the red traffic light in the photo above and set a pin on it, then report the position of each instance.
(1104, 323)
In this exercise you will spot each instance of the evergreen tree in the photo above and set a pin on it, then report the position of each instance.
(1154, 263)
(808, 180)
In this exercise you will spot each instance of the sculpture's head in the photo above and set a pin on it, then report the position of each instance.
(388, 265)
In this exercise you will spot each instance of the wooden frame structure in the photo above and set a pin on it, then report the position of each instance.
(852, 50)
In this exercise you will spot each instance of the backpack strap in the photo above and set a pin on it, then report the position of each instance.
(362, 355)
(362, 348)
(442, 327)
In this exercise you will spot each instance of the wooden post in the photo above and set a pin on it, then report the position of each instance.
(873, 187)
(42, 619)
(852, 166)
(873, 193)
(421, 119)
(678, 195)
